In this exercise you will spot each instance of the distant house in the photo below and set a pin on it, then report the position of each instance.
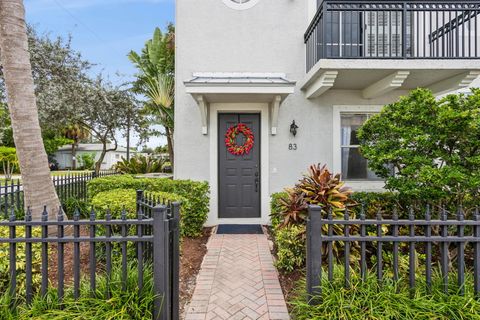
(64, 155)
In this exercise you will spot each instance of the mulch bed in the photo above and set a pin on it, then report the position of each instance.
(192, 252)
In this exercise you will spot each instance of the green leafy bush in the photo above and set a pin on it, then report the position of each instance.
(432, 145)
(117, 199)
(72, 204)
(9, 161)
(276, 208)
(371, 300)
(21, 266)
(121, 305)
(87, 161)
(140, 164)
(195, 208)
(291, 252)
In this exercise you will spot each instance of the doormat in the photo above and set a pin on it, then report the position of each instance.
(239, 229)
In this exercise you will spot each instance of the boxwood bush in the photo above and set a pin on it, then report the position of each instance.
(196, 195)
(118, 199)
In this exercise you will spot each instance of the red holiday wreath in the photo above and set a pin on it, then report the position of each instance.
(230, 139)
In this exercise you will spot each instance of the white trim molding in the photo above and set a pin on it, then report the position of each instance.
(387, 84)
(263, 110)
(460, 81)
(321, 85)
(366, 185)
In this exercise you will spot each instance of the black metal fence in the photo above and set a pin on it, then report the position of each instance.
(432, 237)
(69, 185)
(154, 231)
(390, 29)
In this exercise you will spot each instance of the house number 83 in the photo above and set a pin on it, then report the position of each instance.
(292, 146)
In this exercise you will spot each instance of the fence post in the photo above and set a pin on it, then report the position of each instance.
(176, 261)
(476, 261)
(159, 263)
(314, 254)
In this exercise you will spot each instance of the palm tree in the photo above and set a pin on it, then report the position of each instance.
(155, 80)
(76, 133)
(37, 184)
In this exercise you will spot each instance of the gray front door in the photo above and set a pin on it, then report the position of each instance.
(239, 176)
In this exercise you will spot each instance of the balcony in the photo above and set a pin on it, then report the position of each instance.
(396, 39)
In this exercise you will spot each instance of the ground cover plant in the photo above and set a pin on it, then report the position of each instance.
(123, 305)
(371, 300)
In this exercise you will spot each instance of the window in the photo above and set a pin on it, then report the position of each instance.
(240, 4)
(354, 166)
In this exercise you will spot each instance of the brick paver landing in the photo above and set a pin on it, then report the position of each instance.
(237, 281)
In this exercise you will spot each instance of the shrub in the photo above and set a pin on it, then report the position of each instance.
(196, 193)
(432, 144)
(139, 164)
(118, 199)
(317, 187)
(291, 252)
(72, 204)
(386, 300)
(87, 161)
(9, 161)
(122, 305)
(21, 266)
(276, 208)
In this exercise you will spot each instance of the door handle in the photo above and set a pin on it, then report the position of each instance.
(257, 181)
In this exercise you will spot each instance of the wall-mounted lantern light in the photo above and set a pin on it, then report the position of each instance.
(293, 128)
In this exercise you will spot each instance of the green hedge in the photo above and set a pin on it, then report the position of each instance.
(117, 199)
(275, 208)
(196, 195)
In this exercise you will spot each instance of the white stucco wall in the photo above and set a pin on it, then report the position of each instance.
(212, 37)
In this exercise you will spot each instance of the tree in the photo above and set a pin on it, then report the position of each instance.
(103, 113)
(76, 133)
(9, 160)
(17, 70)
(433, 146)
(156, 65)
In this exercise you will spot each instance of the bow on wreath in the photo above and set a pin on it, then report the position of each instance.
(230, 139)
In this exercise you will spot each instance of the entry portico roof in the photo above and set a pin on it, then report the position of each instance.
(237, 78)
(235, 87)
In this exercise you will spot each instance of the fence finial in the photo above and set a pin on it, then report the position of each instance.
(379, 214)
(45, 214)
(92, 214)
(28, 215)
(460, 213)
(60, 214)
(395, 213)
(124, 214)
(76, 215)
(108, 216)
(12, 215)
(428, 214)
(411, 213)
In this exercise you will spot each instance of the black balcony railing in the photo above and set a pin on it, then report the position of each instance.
(389, 29)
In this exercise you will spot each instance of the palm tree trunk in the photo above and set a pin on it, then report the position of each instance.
(37, 183)
(74, 155)
(170, 146)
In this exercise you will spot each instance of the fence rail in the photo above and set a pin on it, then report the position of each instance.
(432, 237)
(389, 29)
(154, 232)
(70, 185)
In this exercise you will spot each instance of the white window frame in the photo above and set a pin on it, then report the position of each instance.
(240, 6)
(356, 185)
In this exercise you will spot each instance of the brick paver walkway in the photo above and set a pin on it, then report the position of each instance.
(237, 281)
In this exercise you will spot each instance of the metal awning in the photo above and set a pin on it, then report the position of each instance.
(211, 87)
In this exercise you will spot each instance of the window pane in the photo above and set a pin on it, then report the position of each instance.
(350, 125)
(355, 166)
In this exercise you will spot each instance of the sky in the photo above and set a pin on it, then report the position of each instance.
(103, 31)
